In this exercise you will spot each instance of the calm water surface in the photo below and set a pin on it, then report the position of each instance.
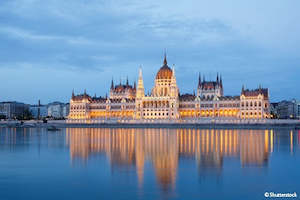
(94, 163)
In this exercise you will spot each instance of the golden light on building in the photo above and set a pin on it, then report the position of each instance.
(129, 102)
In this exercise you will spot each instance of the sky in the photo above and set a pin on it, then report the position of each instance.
(48, 48)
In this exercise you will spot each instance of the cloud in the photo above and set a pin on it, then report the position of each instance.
(248, 42)
(23, 34)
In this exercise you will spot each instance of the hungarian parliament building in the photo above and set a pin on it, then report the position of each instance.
(165, 102)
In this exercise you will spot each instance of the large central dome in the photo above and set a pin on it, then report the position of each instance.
(165, 72)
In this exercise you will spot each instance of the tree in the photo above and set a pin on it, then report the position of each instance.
(26, 115)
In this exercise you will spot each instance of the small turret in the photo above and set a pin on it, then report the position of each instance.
(112, 84)
(199, 80)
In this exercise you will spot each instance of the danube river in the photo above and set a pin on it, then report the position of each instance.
(105, 163)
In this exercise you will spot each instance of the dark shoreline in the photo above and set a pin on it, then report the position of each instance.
(295, 126)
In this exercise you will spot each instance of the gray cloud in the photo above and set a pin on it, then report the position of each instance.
(113, 38)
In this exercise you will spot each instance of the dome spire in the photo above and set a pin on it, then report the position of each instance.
(165, 58)
(165, 72)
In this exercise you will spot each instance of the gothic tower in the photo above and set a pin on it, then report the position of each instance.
(140, 93)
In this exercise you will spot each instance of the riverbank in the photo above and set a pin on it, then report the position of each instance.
(268, 124)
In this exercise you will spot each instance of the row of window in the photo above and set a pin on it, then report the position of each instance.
(155, 105)
(98, 107)
(77, 107)
(229, 105)
(186, 105)
(115, 107)
(157, 114)
(251, 113)
(206, 105)
(251, 104)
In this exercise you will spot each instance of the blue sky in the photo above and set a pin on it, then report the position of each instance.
(47, 48)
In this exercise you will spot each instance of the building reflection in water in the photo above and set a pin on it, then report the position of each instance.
(164, 147)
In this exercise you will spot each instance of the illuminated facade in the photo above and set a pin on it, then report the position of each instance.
(165, 102)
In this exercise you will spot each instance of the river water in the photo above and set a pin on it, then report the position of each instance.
(116, 163)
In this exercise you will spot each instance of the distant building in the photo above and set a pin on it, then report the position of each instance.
(66, 109)
(58, 109)
(273, 110)
(296, 109)
(288, 109)
(36, 109)
(13, 109)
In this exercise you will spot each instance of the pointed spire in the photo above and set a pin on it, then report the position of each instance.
(140, 87)
(243, 88)
(218, 77)
(95, 95)
(134, 85)
(85, 93)
(112, 84)
(199, 80)
(173, 70)
(127, 82)
(73, 93)
(165, 59)
(140, 73)
(221, 82)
